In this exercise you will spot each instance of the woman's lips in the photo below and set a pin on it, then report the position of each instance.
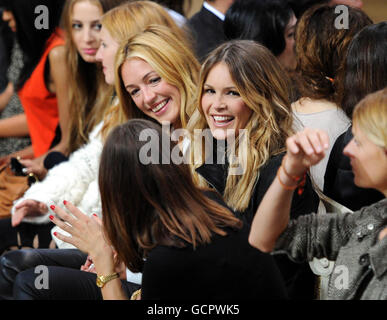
(161, 107)
(90, 52)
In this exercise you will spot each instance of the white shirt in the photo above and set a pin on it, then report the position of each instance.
(210, 8)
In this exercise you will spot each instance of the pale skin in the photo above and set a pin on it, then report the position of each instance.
(304, 149)
(16, 126)
(88, 236)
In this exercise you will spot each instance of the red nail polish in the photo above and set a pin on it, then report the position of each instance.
(55, 234)
(52, 207)
(95, 215)
(51, 217)
(64, 202)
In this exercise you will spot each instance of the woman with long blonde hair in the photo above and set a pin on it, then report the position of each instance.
(76, 181)
(244, 102)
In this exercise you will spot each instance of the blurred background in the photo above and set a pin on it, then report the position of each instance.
(376, 9)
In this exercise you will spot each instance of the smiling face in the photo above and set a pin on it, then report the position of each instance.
(288, 57)
(222, 104)
(368, 161)
(106, 54)
(151, 93)
(86, 26)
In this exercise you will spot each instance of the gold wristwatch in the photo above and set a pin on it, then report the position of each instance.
(102, 280)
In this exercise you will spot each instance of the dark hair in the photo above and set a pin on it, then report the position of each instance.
(175, 5)
(32, 40)
(321, 49)
(145, 205)
(263, 21)
(365, 67)
(300, 6)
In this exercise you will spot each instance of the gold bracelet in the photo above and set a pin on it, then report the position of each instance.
(136, 294)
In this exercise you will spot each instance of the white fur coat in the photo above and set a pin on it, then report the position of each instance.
(75, 180)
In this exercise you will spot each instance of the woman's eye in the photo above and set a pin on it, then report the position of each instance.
(97, 26)
(209, 91)
(103, 44)
(76, 26)
(155, 80)
(133, 92)
(234, 93)
(291, 35)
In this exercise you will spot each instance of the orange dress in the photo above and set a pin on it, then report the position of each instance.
(41, 106)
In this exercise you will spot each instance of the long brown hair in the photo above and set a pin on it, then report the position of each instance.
(321, 49)
(365, 66)
(149, 204)
(264, 87)
(87, 87)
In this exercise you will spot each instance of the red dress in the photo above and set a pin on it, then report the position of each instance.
(41, 106)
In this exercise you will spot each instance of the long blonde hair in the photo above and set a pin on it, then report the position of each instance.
(370, 115)
(123, 23)
(263, 85)
(171, 56)
(86, 82)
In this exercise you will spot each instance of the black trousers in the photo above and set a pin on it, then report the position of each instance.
(22, 272)
(24, 234)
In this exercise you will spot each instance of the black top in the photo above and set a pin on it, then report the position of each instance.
(339, 179)
(227, 268)
(208, 32)
(298, 277)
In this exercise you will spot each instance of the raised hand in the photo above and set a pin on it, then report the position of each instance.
(27, 208)
(304, 149)
(86, 233)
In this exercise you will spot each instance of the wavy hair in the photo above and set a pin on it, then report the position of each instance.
(264, 87)
(171, 56)
(123, 23)
(321, 49)
(86, 81)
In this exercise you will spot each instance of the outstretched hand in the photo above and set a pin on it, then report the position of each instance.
(86, 233)
(305, 149)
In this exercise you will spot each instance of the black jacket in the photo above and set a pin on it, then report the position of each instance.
(299, 279)
(339, 179)
(227, 268)
(208, 32)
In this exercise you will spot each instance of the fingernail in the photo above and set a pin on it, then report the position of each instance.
(55, 234)
(64, 202)
(52, 207)
(95, 215)
(51, 217)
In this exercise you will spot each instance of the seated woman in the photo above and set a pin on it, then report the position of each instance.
(243, 87)
(42, 84)
(320, 58)
(364, 72)
(89, 100)
(173, 75)
(357, 242)
(185, 240)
